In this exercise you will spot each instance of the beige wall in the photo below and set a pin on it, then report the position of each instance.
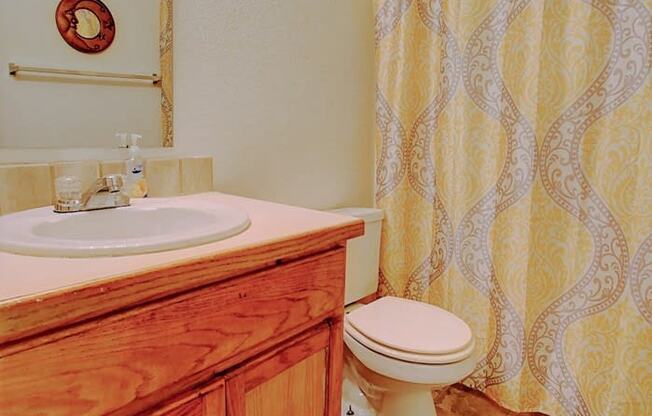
(280, 93)
(38, 112)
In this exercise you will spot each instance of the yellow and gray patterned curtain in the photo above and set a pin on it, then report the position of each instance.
(514, 165)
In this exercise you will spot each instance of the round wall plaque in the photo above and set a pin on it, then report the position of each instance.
(86, 25)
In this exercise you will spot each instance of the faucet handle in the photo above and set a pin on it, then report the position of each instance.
(68, 187)
(68, 194)
(114, 183)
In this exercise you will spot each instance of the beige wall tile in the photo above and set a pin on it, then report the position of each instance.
(196, 175)
(24, 187)
(110, 167)
(87, 171)
(27, 186)
(163, 177)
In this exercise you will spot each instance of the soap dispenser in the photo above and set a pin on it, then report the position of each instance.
(135, 181)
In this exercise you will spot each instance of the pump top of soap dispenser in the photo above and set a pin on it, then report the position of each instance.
(134, 140)
(121, 138)
(134, 148)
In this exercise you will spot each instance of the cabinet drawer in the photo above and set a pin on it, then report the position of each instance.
(130, 361)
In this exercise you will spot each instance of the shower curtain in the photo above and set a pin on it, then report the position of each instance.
(514, 165)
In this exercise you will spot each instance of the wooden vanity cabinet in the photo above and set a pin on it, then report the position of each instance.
(267, 343)
(292, 379)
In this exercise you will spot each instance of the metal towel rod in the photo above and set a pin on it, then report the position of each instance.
(15, 69)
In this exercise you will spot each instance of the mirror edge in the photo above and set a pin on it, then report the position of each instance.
(166, 39)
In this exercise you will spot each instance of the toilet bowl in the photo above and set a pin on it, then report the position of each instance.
(397, 350)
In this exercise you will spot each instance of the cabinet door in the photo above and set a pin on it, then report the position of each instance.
(300, 378)
(209, 401)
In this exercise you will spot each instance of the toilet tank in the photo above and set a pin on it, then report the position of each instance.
(362, 254)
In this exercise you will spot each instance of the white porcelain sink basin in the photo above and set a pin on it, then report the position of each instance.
(148, 225)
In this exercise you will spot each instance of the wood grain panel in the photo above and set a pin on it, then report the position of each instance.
(128, 362)
(270, 364)
(298, 390)
(335, 366)
(235, 397)
(289, 380)
(28, 317)
(214, 403)
(208, 401)
(194, 407)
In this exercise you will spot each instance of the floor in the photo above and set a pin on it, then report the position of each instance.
(459, 400)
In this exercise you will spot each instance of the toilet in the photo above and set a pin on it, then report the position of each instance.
(397, 350)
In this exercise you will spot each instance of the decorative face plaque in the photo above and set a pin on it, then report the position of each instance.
(86, 25)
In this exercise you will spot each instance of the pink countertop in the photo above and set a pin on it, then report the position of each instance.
(27, 276)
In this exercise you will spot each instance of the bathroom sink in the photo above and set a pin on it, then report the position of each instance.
(148, 225)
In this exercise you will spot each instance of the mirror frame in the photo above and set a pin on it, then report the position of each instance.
(166, 41)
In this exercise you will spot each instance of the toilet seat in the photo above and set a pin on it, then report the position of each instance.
(410, 331)
(410, 372)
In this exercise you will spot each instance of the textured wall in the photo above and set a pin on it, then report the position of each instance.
(280, 93)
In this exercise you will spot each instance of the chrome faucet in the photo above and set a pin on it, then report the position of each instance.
(106, 192)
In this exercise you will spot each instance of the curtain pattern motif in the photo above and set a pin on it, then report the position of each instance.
(514, 164)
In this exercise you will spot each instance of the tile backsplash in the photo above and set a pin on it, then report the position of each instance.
(164, 177)
(26, 186)
(193, 179)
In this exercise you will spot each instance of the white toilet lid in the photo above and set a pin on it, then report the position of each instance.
(411, 327)
(411, 357)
